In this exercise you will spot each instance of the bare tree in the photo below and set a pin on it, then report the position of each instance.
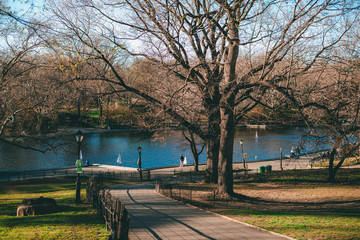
(26, 97)
(332, 107)
(189, 136)
(200, 43)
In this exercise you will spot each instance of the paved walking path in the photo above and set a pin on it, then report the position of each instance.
(155, 217)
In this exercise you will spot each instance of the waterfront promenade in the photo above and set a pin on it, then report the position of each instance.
(302, 162)
(128, 173)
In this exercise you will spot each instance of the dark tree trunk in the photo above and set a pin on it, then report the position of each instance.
(331, 176)
(194, 150)
(100, 109)
(211, 173)
(196, 157)
(79, 110)
(333, 169)
(212, 139)
(227, 108)
(225, 178)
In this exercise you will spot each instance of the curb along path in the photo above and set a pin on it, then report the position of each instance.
(155, 217)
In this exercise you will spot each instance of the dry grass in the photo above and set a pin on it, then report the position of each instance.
(298, 204)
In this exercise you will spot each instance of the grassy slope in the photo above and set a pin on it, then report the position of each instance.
(299, 204)
(72, 222)
(302, 205)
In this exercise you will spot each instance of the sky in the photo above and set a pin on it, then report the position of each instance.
(24, 6)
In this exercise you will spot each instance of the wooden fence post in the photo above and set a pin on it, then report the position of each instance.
(115, 215)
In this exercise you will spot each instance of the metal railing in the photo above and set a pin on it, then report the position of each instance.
(65, 172)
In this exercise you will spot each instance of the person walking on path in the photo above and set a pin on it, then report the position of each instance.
(181, 160)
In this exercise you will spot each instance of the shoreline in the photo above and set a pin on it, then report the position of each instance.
(146, 169)
(67, 130)
(161, 167)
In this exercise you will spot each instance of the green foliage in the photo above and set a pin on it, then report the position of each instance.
(73, 221)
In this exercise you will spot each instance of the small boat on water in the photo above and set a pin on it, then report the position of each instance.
(118, 161)
(256, 135)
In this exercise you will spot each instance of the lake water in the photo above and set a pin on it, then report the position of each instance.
(161, 149)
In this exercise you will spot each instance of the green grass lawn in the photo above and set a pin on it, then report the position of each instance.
(73, 221)
(305, 224)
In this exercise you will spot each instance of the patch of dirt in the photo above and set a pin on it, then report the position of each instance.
(301, 193)
(276, 197)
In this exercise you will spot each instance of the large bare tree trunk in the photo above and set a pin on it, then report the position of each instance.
(211, 173)
(212, 144)
(332, 172)
(225, 178)
(227, 108)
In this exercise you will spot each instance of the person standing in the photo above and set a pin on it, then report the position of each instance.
(181, 160)
(292, 152)
(297, 151)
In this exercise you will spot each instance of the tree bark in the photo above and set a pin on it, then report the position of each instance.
(211, 173)
(333, 169)
(225, 170)
(194, 152)
(196, 157)
(212, 139)
(227, 109)
(331, 176)
(79, 110)
(100, 109)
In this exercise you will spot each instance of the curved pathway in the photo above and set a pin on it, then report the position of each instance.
(155, 217)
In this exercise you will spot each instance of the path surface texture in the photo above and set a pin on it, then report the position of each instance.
(155, 217)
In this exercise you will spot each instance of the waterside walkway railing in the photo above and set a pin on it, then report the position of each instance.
(68, 172)
(116, 217)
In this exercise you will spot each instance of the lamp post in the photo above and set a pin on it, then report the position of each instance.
(242, 153)
(281, 167)
(79, 137)
(139, 163)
